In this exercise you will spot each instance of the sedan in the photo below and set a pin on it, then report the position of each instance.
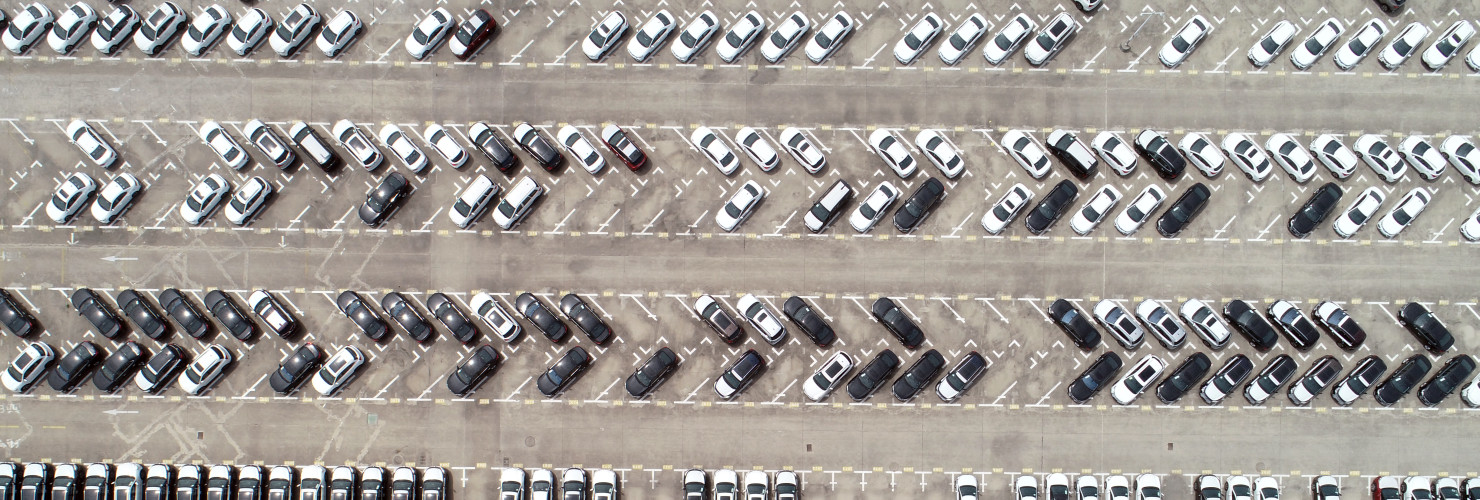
(360, 148)
(1449, 377)
(1184, 378)
(827, 377)
(743, 33)
(715, 149)
(1291, 156)
(1443, 49)
(1027, 152)
(757, 148)
(1121, 324)
(1315, 211)
(1099, 373)
(1358, 213)
(1089, 216)
(184, 312)
(1362, 377)
(161, 368)
(70, 196)
(604, 36)
(494, 315)
(807, 319)
(93, 308)
(534, 310)
(116, 197)
(1065, 146)
(893, 152)
(1007, 39)
(1162, 323)
(268, 142)
(918, 38)
(1409, 207)
(1115, 152)
(1316, 45)
(226, 311)
(1252, 325)
(565, 370)
(471, 35)
(1463, 156)
(28, 368)
(963, 39)
(1425, 159)
(652, 373)
(340, 32)
(1183, 211)
(295, 368)
(27, 28)
(1074, 323)
(1403, 46)
(1247, 156)
(163, 23)
(1168, 162)
(1140, 210)
(651, 35)
(762, 319)
(206, 29)
(447, 313)
(894, 319)
(586, 319)
(695, 36)
(918, 376)
(1185, 41)
(715, 316)
(223, 145)
(1343, 329)
(470, 374)
(1006, 209)
(402, 310)
(1269, 380)
(249, 32)
(1055, 35)
(294, 30)
(1426, 327)
(357, 310)
(581, 149)
(445, 146)
(85, 138)
(873, 375)
(801, 149)
(617, 141)
(16, 318)
(204, 198)
(1272, 43)
(341, 368)
(1381, 157)
(383, 201)
(73, 368)
(740, 206)
(72, 28)
(115, 30)
(784, 37)
(206, 370)
(1051, 207)
(487, 141)
(429, 33)
(270, 311)
(1402, 380)
(919, 205)
(1334, 154)
(1138, 379)
(1226, 379)
(873, 207)
(1360, 44)
(1316, 379)
(402, 147)
(829, 37)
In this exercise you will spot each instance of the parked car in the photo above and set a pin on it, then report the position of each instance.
(809, 321)
(829, 37)
(1402, 380)
(359, 311)
(294, 31)
(1051, 207)
(1317, 378)
(652, 373)
(1099, 373)
(472, 34)
(960, 378)
(1403, 46)
(651, 35)
(1122, 326)
(295, 368)
(470, 374)
(828, 377)
(1272, 43)
(873, 375)
(1072, 321)
(1009, 38)
(873, 207)
(1183, 378)
(1163, 324)
(1140, 377)
(161, 368)
(783, 38)
(534, 310)
(695, 36)
(894, 319)
(1006, 209)
(585, 318)
(918, 376)
(1383, 159)
(740, 206)
(1205, 323)
(918, 38)
(1409, 207)
(719, 320)
(1270, 379)
(1343, 329)
(428, 33)
(29, 367)
(1185, 41)
(740, 374)
(828, 206)
(1358, 212)
(1360, 44)
(339, 370)
(119, 366)
(341, 31)
(604, 36)
(1362, 377)
(1055, 35)
(1449, 377)
(206, 370)
(230, 315)
(517, 203)
(1226, 379)
(1251, 324)
(919, 205)
(963, 39)
(1295, 325)
(1322, 39)
(1183, 211)
(743, 33)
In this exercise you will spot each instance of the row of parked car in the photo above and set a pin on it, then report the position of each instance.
(1211, 487)
(133, 481)
(1362, 42)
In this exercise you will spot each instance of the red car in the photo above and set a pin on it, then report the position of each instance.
(472, 34)
(616, 139)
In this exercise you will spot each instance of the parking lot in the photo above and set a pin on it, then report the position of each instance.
(642, 246)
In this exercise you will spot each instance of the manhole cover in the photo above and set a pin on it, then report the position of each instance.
(528, 441)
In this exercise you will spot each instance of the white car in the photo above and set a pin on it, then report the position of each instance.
(1026, 487)
(1334, 154)
(163, 23)
(757, 485)
(116, 197)
(785, 37)
(757, 148)
(1202, 154)
(1403, 213)
(1358, 212)
(1137, 379)
(339, 33)
(1205, 323)
(827, 377)
(1027, 152)
(473, 201)
(516, 203)
(27, 28)
(963, 39)
(70, 196)
(1272, 43)
(1381, 157)
(359, 146)
(250, 30)
(223, 144)
(1006, 209)
(1121, 325)
(1292, 157)
(715, 149)
(893, 152)
(1360, 44)
(402, 147)
(268, 142)
(918, 38)
(828, 206)
(740, 206)
(829, 37)
(1470, 228)
(294, 30)
(72, 28)
(1140, 210)
(206, 29)
(115, 30)
(1247, 156)
(204, 198)
(1094, 210)
(1449, 43)
(604, 36)
(85, 138)
(1051, 40)
(28, 368)
(248, 200)
(1306, 54)
(1007, 39)
(1185, 41)
(1148, 487)
(1056, 485)
(429, 33)
(651, 35)
(603, 485)
(1117, 487)
(808, 155)
(1471, 393)
(339, 370)
(873, 207)
(966, 487)
(940, 152)
(580, 148)
(742, 35)
(494, 315)
(1425, 159)
(1473, 60)
(206, 369)
(762, 318)
(1115, 152)
(695, 36)
(1463, 156)
(1403, 46)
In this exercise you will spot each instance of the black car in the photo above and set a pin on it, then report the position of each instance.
(1248, 322)
(740, 374)
(1099, 373)
(1423, 324)
(565, 370)
(1298, 328)
(1164, 157)
(405, 314)
(74, 367)
(1343, 328)
(1315, 211)
(230, 315)
(493, 148)
(919, 205)
(809, 321)
(1450, 376)
(1075, 324)
(446, 311)
(136, 308)
(898, 323)
(1402, 380)
(873, 375)
(383, 200)
(1175, 219)
(652, 373)
(1362, 377)
(16, 318)
(473, 371)
(535, 144)
(162, 367)
(295, 369)
(1269, 380)
(1064, 150)
(1051, 207)
(1317, 378)
(1185, 377)
(179, 307)
(918, 375)
(1226, 379)
(119, 366)
(586, 319)
(358, 311)
(535, 311)
(92, 308)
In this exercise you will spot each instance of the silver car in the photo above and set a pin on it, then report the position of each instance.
(1163, 325)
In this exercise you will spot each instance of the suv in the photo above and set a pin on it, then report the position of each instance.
(517, 203)
(1073, 322)
(717, 318)
(740, 375)
(828, 206)
(1073, 153)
